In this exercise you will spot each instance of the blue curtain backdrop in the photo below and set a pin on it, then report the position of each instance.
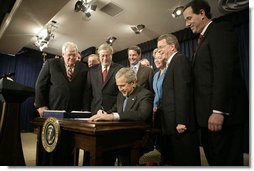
(26, 67)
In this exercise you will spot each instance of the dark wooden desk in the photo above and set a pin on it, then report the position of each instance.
(100, 137)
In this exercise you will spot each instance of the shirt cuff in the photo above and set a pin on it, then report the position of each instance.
(219, 112)
(116, 116)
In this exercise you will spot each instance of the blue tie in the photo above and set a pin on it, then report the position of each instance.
(124, 103)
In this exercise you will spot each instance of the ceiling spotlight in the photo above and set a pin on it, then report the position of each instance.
(138, 28)
(43, 38)
(111, 40)
(78, 6)
(84, 6)
(177, 12)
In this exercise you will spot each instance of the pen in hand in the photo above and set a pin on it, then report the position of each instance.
(102, 110)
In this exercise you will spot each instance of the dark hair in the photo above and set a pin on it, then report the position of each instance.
(197, 5)
(135, 48)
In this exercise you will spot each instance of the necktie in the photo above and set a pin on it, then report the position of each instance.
(104, 74)
(69, 72)
(199, 38)
(134, 68)
(124, 103)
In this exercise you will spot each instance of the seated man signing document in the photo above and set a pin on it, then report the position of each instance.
(133, 101)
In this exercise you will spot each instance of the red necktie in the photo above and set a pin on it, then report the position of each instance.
(69, 72)
(199, 38)
(104, 74)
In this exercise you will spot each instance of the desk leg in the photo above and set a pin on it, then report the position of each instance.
(76, 156)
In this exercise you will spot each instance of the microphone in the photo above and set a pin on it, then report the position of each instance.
(8, 75)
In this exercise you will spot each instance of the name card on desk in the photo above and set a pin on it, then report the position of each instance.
(61, 114)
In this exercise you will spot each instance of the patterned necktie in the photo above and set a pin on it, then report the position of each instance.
(199, 38)
(69, 72)
(134, 68)
(124, 103)
(104, 74)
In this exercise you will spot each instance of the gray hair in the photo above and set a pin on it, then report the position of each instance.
(128, 74)
(69, 45)
(170, 39)
(105, 47)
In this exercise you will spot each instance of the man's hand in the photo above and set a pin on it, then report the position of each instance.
(215, 122)
(41, 110)
(181, 128)
(101, 115)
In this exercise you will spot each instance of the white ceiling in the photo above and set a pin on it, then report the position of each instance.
(30, 16)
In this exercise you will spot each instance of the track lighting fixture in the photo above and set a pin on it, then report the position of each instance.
(84, 6)
(45, 36)
(111, 40)
(138, 28)
(177, 12)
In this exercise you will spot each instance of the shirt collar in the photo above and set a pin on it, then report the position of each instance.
(170, 58)
(205, 28)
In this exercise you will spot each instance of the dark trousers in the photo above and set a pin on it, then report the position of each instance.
(224, 148)
(181, 149)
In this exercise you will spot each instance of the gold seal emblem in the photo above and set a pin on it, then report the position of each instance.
(50, 134)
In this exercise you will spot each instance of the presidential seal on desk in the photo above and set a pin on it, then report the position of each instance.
(50, 134)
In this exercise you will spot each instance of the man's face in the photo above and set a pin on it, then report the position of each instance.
(194, 21)
(78, 57)
(125, 88)
(133, 57)
(105, 57)
(70, 56)
(164, 49)
(92, 61)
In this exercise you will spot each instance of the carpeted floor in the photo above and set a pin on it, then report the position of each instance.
(29, 150)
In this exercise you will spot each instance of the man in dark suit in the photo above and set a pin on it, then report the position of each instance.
(180, 138)
(133, 102)
(54, 90)
(144, 73)
(60, 86)
(220, 99)
(101, 81)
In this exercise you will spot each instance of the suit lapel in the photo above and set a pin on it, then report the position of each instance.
(131, 100)
(76, 71)
(63, 69)
(98, 75)
(201, 42)
(109, 75)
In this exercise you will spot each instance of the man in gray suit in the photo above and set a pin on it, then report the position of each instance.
(133, 102)
(144, 73)
(101, 81)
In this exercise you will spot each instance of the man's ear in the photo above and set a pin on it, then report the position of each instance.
(202, 13)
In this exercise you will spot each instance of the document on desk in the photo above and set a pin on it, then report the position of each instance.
(61, 114)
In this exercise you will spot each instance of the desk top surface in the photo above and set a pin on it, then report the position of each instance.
(88, 127)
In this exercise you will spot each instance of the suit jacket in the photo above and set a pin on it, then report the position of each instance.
(176, 96)
(145, 77)
(139, 105)
(102, 94)
(216, 75)
(53, 89)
